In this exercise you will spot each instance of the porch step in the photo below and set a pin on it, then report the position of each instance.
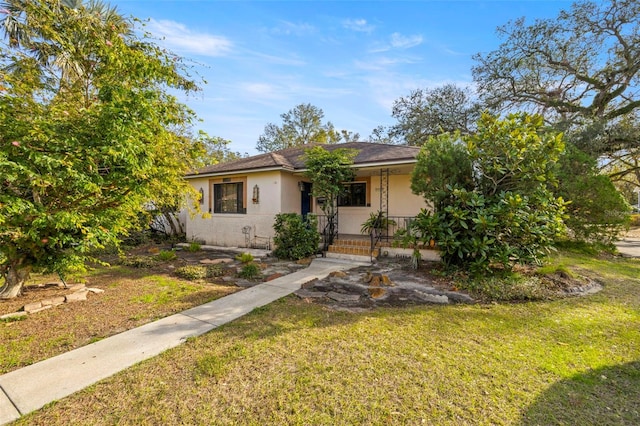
(356, 248)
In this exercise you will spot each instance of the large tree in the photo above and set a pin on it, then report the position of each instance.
(301, 125)
(429, 112)
(580, 70)
(87, 134)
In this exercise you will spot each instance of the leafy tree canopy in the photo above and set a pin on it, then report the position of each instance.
(580, 70)
(430, 112)
(214, 150)
(87, 134)
(301, 125)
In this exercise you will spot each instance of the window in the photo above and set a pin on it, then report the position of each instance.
(228, 198)
(355, 195)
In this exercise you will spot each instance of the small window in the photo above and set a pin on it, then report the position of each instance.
(228, 198)
(355, 195)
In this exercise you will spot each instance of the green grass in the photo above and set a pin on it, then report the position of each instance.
(163, 290)
(569, 361)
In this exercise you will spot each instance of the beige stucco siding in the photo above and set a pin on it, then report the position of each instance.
(402, 202)
(226, 229)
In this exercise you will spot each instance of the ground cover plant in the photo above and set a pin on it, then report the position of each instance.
(570, 361)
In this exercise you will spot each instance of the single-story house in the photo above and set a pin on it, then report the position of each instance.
(243, 196)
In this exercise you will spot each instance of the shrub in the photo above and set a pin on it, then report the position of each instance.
(596, 211)
(192, 272)
(194, 247)
(244, 257)
(166, 255)
(249, 271)
(138, 261)
(506, 213)
(214, 271)
(295, 238)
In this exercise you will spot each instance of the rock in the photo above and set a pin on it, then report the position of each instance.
(30, 307)
(435, 298)
(310, 283)
(273, 276)
(77, 296)
(14, 315)
(54, 301)
(216, 261)
(343, 298)
(154, 250)
(304, 294)
(95, 290)
(377, 292)
(77, 287)
(338, 274)
(41, 309)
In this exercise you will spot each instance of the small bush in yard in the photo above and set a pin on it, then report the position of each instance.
(166, 255)
(197, 272)
(194, 247)
(249, 271)
(214, 271)
(244, 257)
(192, 272)
(296, 238)
(138, 261)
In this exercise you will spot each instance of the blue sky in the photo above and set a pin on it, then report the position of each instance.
(350, 58)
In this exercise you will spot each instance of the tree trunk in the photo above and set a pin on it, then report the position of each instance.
(14, 279)
(168, 217)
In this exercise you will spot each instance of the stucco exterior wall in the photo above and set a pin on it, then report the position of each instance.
(226, 229)
(279, 192)
(402, 202)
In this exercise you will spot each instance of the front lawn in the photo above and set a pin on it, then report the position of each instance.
(569, 361)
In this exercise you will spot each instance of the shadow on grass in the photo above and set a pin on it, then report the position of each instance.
(605, 396)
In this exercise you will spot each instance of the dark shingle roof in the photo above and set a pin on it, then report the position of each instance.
(292, 158)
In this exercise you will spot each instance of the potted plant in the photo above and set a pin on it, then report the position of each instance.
(377, 222)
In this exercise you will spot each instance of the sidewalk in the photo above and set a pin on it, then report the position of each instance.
(32, 387)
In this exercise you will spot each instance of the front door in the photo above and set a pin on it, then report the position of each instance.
(305, 206)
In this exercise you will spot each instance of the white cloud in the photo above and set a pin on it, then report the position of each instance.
(179, 37)
(400, 41)
(359, 25)
(291, 28)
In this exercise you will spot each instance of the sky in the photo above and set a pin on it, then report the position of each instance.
(352, 59)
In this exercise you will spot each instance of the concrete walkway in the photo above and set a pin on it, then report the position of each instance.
(30, 388)
(629, 247)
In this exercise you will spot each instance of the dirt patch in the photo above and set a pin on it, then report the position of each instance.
(131, 297)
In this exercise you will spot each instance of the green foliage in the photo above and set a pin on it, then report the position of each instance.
(557, 66)
(506, 286)
(596, 212)
(166, 255)
(214, 271)
(244, 257)
(249, 271)
(192, 272)
(199, 272)
(89, 134)
(328, 170)
(301, 125)
(510, 216)
(442, 163)
(377, 221)
(427, 113)
(139, 261)
(194, 247)
(295, 237)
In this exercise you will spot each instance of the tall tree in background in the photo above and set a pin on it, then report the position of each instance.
(580, 70)
(430, 112)
(302, 125)
(87, 134)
